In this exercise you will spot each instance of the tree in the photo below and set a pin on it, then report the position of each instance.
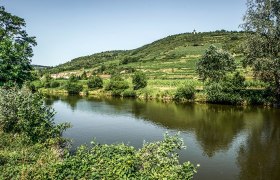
(15, 49)
(214, 64)
(139, 80)
(46, 80)
(72, 86)
(84, 75)
(262, 50)
(95, 82)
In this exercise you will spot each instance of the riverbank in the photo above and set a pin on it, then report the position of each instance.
(143, 94)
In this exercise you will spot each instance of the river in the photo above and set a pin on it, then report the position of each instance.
(228, 142)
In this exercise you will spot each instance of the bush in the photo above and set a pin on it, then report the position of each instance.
(215, 94)
(157, 160)
(117, 84)
(186, 92)
(84, 76)
(95, 82)
(139, 80)
(129, 93)
(227, 91)
(257, 96)
(154, 161)
(46, 80)
(30, 86)
(73, 88)
(26, 113)
(54, 84)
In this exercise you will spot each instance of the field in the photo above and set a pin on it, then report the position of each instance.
(168, 63)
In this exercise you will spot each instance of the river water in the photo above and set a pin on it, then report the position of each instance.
(228, 142)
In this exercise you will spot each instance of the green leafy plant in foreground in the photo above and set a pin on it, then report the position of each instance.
(23, 112)
(154, 161)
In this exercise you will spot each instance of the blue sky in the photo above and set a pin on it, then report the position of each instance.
(66, 29)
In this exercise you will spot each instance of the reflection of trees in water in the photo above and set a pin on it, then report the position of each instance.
(72, 101)
(260, 156)
(49, 100)
(215, 126)
(69, 100)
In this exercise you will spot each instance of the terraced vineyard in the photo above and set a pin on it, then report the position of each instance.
(173, 57)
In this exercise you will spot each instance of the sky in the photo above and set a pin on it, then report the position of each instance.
(66, 29)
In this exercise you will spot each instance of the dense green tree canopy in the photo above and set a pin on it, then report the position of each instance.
(15, 49)
(139, 80)
(262, 50)
(215, 63)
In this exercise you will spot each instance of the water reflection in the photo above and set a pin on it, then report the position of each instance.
(259, 157)
(222, 138)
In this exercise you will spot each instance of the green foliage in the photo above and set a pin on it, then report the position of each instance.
(176, 51)
(25, 113)
(73, 88)
(129, 59)
(154, 161)
(158, 160)
(129, 93)
(227, 91)
(117, 85)
(54, 84)
(25, 160)
(15, 50)
(214, 64)
(139, 80)
(186, 92)
(46, 80)
(95, 82)
(73, 78)
(84, 76)
(262, 21)
(216, 94)
(30, 148)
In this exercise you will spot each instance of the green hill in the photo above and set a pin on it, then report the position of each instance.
(173, 57)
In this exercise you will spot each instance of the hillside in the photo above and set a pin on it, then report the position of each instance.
(173, 57)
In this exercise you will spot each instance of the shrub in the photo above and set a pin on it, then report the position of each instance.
(215, 94)
(73, 88)
(83, 76)
(154, 161)
(129, 93)
(46, 80)
(30, 86)
(129, 59)
(26, 113)
(227, 91)
(54, 84)
(187, 92)
(117, 84)
(139, 80)
(257, 96)
(73, 78)
(95, 82)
